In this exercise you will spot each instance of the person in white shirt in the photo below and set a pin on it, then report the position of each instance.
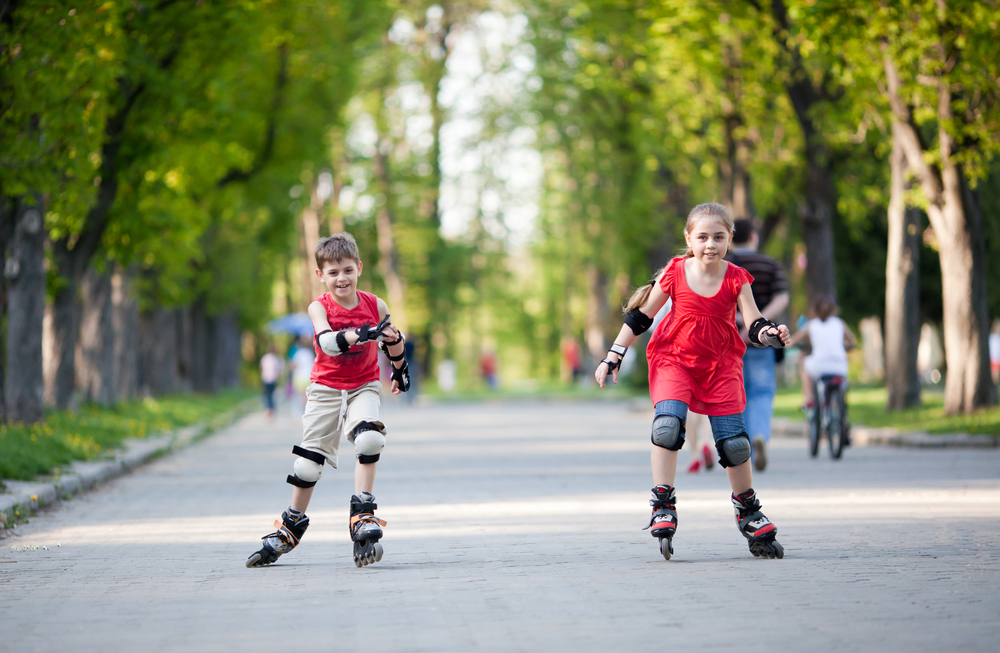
(271, 367)
(830, 339)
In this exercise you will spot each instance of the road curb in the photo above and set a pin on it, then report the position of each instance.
(24, 496)
(864, 436)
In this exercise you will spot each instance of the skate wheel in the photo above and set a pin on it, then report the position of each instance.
(378, 552)
(779, 551)
(665, 547)
(253, 561)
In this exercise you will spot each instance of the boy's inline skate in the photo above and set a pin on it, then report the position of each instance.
(757, 528)
(663, 522)
(291, 527)
(366, 529)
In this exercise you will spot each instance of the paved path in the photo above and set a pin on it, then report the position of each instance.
(514, 527)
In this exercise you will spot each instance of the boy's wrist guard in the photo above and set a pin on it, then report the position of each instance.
(401, 375)
(759, 337)
(368, 333)
(384, 346)
(638, 321)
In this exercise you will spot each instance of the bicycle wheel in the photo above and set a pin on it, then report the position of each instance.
(814, 430)
(835, 426)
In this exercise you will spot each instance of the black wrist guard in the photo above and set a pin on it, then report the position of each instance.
(384, 346)
(615, 349)
(759, 337)
(401, 375)
(342, 343)
(638, 321)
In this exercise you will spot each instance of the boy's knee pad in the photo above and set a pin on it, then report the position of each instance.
(368, 442)
(668, 432)
(307, 468)
(734, 451)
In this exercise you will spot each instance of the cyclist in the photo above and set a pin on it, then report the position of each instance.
(830, 339)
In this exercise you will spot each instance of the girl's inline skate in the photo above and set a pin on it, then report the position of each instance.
(663, 522)
(366, 529)
(757, 528)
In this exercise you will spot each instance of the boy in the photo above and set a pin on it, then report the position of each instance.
(343, 399)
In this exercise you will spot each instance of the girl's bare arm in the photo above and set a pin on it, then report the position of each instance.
(748, 307)
(657, 298)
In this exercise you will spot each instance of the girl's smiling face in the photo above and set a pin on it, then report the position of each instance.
(709, 239)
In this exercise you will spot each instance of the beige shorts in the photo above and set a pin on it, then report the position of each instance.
(332, 413)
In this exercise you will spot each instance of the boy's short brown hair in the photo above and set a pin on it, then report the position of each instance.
(338, 247)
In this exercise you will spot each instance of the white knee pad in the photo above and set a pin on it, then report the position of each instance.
(307, 470)
(368, 444)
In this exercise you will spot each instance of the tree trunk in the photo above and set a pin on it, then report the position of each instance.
(311, 285)
(7, 208)
(954, 217)
(125, 322)
(226, 351)
(64, 334)
(96, 355)
(158, 347)
(388, 264)
(902, 289)
(818, 211)
(597, 312)
(25, 273)
(200, 346)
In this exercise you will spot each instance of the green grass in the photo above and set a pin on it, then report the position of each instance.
(95, 432)
(866, 406)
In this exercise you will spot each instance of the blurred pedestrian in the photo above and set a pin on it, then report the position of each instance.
(301, 364)
(271, 367)
(571, 358)
(994, 346)
(488, 369)
(770, 293)
(698, 425)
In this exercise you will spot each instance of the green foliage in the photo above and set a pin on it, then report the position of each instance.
(94, 432)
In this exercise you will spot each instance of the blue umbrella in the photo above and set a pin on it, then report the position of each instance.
(296, 324)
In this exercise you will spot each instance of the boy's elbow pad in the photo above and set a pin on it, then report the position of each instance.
(332, 344)
(638, 321)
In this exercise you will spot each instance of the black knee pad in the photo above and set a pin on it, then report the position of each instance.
(668, 432)
(734, 451)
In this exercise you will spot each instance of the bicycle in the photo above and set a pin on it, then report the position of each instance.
(829, 414)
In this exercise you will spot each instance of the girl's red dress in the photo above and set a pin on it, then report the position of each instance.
(696, 354)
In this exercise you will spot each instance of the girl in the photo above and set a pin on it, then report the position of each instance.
(695, 361)
(830, 340)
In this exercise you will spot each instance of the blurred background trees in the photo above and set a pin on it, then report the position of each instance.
(511, 170)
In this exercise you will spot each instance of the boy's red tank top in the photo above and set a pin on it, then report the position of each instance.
(359, 364)
(696, 354)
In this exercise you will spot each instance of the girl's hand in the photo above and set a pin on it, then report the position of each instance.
(601, 374)
(783, 333)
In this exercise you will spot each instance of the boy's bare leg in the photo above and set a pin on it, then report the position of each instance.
(301, 497)
(664, 463)
(364, 478)
(740, 477)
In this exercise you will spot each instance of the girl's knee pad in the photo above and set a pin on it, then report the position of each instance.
(368, 443)
(668, 432)
(734, 451)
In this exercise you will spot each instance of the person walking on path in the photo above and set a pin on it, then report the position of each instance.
(271, 367)
(700, 455)
(343, 400)
(696, 362)
(770, 293)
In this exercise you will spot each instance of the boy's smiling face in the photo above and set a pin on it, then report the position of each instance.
(341, 278)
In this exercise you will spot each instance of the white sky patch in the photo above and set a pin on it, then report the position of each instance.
(489, 169)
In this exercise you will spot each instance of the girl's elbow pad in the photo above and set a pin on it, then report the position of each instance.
(638, 321)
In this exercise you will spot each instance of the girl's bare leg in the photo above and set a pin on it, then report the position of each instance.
(740, 477)
(664, 463)
(364, 477)
(301, 497)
